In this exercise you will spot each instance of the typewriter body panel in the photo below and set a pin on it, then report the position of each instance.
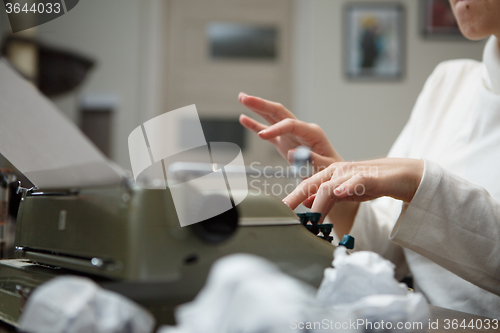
(130, 241)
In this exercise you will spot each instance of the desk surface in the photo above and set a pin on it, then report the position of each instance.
(443, 316)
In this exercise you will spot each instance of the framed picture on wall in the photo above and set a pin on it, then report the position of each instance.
(438, 21)
(374, 40)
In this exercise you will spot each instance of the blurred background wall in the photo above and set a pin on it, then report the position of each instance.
(362, 119)
(139, 74)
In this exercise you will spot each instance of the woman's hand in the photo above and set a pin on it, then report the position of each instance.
(358, 181)
(286, 132)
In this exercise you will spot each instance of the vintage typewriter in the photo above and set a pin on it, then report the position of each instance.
(85, 218)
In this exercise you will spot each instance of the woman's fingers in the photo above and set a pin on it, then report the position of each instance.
(302, 130)
(311, 186)
(325, 199)
(271, 111)
(322, 185)
(309, 201)
(358, 181)
(285, 131)
(251, 124)
(360, 187)
(286, 126)
(320, 162)
(357, 185)
(253, 104)
(324, 207)
(305, 189)
(255, 126)
(326, 196)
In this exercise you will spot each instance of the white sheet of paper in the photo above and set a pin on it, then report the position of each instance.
(41, 143)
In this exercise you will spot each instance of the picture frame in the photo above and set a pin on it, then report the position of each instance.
(374, 41)
(437, 20)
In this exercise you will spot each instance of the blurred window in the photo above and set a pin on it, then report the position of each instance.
(241, 41)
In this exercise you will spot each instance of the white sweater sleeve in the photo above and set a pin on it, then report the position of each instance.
(456, 224)
(375, 219)
(372, 227)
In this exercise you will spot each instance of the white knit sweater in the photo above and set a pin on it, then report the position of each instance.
(449, 235)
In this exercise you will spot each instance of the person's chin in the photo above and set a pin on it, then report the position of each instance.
(472, 33)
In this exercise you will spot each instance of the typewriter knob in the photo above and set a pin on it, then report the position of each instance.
(219, 228)
(347, 241)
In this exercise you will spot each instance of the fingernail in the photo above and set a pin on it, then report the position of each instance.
(339, 189)
(263, 131)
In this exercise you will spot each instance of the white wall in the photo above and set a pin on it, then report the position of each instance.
(110, 32)
(362, 119)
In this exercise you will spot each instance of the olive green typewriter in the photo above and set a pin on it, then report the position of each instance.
(83, 217)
